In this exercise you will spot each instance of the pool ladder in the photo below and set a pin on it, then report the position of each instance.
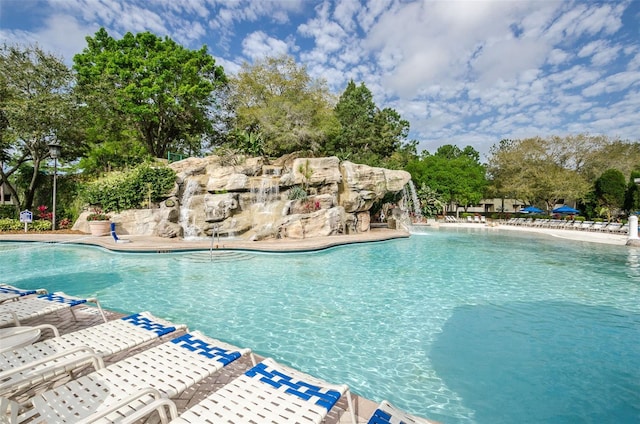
(215, 234)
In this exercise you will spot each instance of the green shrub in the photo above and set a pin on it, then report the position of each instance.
(7, 211)
(40, 225)
(9, 224)
(297, 193)
(130, 190)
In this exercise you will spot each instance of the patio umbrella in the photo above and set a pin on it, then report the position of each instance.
(531, 209)
(566, 210)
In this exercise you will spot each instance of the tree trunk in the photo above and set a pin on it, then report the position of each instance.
(31, 191)
(4, 179)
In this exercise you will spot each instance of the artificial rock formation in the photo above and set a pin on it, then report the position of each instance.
(250, 198)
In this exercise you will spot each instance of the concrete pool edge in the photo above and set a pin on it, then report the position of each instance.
(151, 244)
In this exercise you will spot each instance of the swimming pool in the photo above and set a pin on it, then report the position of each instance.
(459, 326)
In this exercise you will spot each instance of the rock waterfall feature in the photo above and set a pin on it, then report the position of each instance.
(291, 197)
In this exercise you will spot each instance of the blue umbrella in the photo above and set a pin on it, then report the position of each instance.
(566, 210)
(531, 209)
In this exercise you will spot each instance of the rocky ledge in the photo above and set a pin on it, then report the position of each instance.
(251, 198)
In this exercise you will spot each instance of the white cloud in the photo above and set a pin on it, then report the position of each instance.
(459, 71)
(328, 35)
(258, 45)
(557, 57)
(345, 12)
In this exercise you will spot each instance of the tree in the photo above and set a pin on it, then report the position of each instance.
(276, 99)
(154, 87)
(536, 170)
(610, 191)
(431, 201)
(455, 174)
(632, 196)
(37, 108)
(367, 134)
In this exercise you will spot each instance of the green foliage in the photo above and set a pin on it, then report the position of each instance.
(306, 171)
(40, 225)
(37, 108)
(10, 224)
(367, 134)
(130, 190)
(610, 189)
(7, 211)
(456, 175)
(153, 87)
(249, 142)
(632, 196)
(431, 202)
(297, 193)
(112, 156)
(285, 109)
(556, 168)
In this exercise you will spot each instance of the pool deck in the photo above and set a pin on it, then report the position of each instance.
(154, 244)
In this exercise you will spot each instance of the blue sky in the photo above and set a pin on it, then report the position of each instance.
(461, 72)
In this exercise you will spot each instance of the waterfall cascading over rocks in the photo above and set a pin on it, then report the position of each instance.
(415, 202)
(249, 198)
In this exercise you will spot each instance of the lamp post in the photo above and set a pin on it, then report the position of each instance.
(54, 152)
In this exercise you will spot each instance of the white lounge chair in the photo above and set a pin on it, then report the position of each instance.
(8, 292)
(268, 393)
(30, 365)
(15, 312)
(613, 227)
(389, 414)
(122, 391)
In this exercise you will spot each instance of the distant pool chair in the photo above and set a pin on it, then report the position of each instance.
(16, 312)
(8, 292)
(127, 390)
(24, 367)
(115, 236)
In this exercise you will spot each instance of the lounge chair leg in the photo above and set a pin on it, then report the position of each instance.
(352, 411)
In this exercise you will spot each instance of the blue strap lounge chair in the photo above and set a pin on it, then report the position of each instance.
(269, 392)
(16, 312)
(122, 391)
(24, 367)
(389, 414)
(8, 292)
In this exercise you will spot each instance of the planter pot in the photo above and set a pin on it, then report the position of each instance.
(100, 228)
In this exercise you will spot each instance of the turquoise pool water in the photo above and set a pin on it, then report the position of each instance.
(461, 326)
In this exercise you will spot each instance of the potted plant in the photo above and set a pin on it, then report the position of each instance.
(99, 223)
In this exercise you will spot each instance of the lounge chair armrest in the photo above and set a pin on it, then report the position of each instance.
(95, 301)
(8, 378)
(14, 317)
(21, 330)
(158, 404)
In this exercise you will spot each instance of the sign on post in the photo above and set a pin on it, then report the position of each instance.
(27, 217)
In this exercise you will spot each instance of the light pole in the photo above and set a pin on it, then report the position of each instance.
(54, 152)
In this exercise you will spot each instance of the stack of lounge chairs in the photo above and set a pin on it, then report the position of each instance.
(63, 379)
